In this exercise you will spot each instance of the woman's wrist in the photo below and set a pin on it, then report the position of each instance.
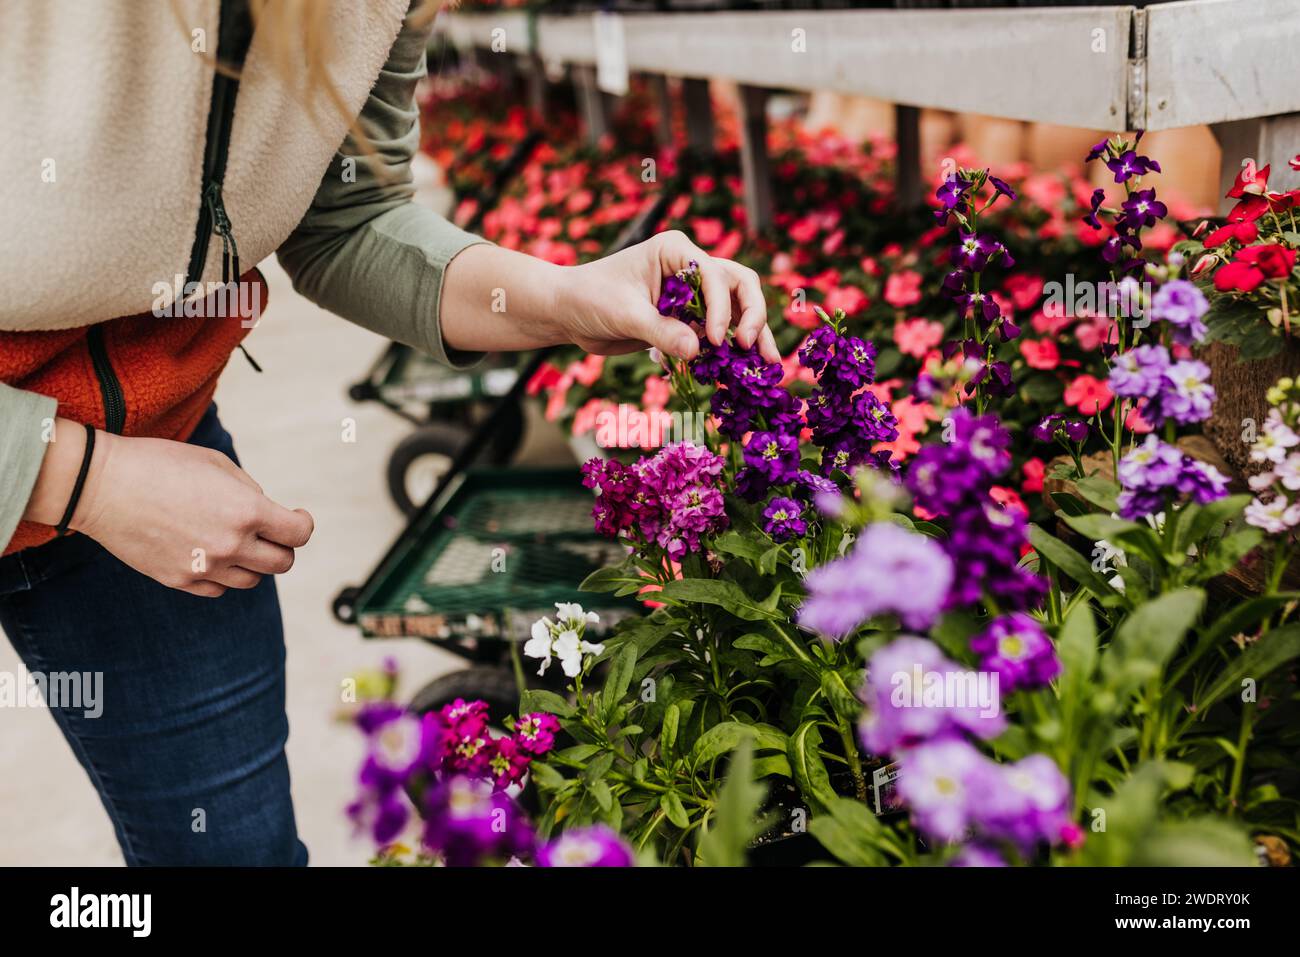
(58, 474)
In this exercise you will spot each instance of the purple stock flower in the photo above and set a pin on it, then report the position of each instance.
(536, 731)
(773, 455)
(977, 855)
(1027, 804)
(943, 782)
(1057, 426)
(951, 194)
(784, 519)
(595, 846)
(1098, 197)
(1098, 150)
(1154, 472)
(914, 694)
(1002, 188)
(812, 485)
(1016, 647)
(974, 252)
(1143, 209)
(1139, 373)
(468, 823)
(818, 348)
(1128, 164)
(1180, 304)
(1187, 395)
(674, 297)
(889, 570)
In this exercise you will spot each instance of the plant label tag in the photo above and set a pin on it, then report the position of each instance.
(611, 53)
(884, 789)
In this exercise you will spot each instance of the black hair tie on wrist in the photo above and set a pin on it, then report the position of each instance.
(62, 528)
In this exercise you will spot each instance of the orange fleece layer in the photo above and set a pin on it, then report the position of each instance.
(168, 369)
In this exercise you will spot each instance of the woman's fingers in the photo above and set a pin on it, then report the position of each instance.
(748, 291)
(233, 576)
(266, 557)
(284, 526)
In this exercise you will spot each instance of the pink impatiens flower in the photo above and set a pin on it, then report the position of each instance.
(916, 337)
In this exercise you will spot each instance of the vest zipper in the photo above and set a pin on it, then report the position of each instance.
(110, 386)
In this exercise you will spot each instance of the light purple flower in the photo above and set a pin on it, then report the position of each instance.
(1139, 373)
(1187, 395)
(783, 519)
(1027, 803)
(594, 846)
(913, 693)
(1179, 303)
(943, 784)
(889, 570)
(977, 855)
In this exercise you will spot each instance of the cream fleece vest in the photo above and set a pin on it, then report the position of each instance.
(103, 115)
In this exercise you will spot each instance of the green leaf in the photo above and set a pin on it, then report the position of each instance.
(673, 809)
(620, 676)
(1096, 527)
(772, 650)
(546, 776)
(718, 740)
(1232, 620)
(1147, 639)
(1103, 493)
(850, 832)
(578, 753)
(1270, 652)
(611, 578)
(668, 733)
(535, 699)
(808, 767)
(1200, 842)
(725, 594)
(735, 824)
(733, 542)
(772, 764)
(1227, 552)
(1069, 561)
(1212, 515)
(843, 701)
(1076, 647)
(604, 797)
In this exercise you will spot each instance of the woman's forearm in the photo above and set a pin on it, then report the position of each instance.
(499, 300)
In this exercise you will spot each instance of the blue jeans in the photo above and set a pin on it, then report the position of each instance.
(187, 753)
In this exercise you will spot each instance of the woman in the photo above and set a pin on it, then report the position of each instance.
(137, 168)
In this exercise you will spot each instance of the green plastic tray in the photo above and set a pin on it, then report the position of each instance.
(497, 552)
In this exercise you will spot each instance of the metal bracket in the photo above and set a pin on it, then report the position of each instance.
(1136, 106)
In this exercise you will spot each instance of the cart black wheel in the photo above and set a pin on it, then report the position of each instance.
(345, 605)
(496, 686)
(420, 460)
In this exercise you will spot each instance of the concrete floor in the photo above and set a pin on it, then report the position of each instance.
(287, 425)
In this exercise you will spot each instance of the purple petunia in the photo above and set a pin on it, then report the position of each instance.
(1016, 647)
(889, 570)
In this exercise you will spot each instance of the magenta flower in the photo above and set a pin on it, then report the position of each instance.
(594, 846)
(536, 731)
(889, 571)
(1018, 650)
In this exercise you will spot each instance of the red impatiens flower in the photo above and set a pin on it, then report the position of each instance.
(1033, 471)
(903, 289)
(1273, 260)
(1088, 394)
(1241, 232)
(1040, 353)
(1024, 290)
(1250, 181)
(1295, 162)
(849, 298)
(916, 337)
(1253, 265)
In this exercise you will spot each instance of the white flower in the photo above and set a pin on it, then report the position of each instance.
(539, 646)
(1261, 482)
(563, 639)
(1274, 516)
(1275, 437)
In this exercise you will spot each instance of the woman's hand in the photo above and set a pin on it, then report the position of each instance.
(497, 300)
(186, 516)
(610, 305)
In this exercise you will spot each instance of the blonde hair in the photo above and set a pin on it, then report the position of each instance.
(300, 46)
